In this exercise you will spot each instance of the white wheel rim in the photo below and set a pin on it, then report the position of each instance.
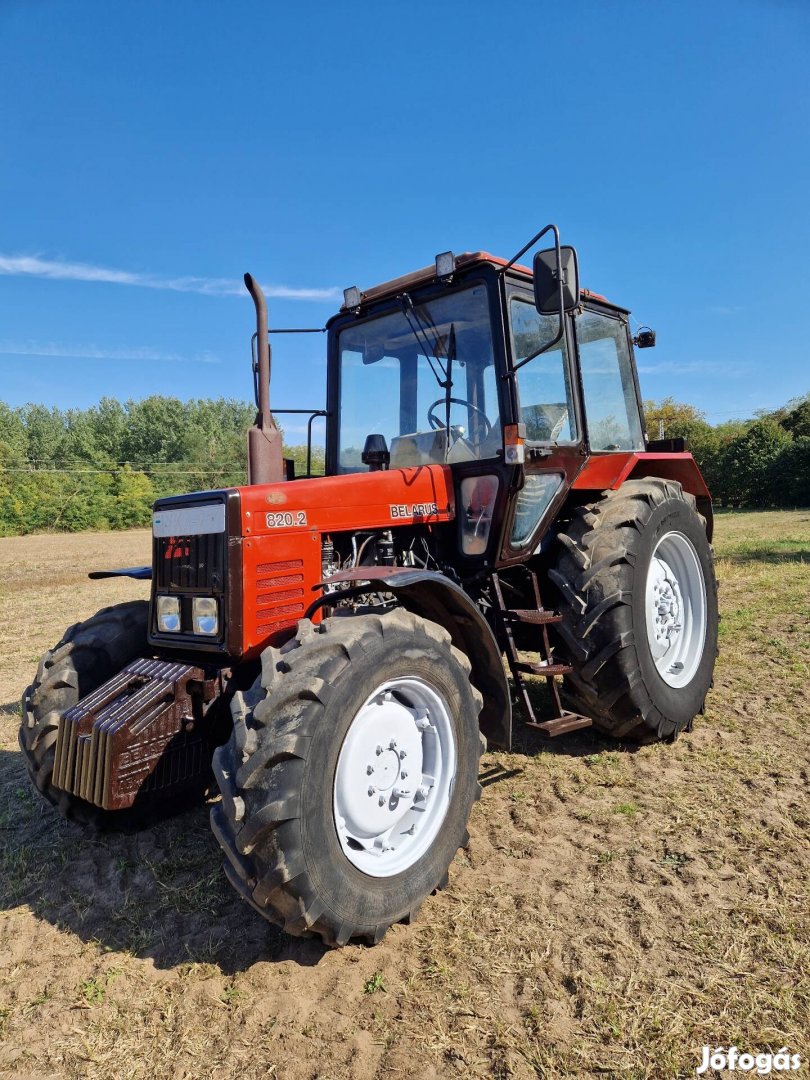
(394, 777)
(676, 609)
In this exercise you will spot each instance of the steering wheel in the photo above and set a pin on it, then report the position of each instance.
(438, 425)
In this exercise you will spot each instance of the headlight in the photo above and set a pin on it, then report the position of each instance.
(168, 614)
(205, 615)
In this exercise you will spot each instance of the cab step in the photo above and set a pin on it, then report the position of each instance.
(561, 725)
(548, 671)
(530, 615)
(563, 721)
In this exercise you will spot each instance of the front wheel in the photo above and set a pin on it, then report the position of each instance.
(638, 596)
(350, 775)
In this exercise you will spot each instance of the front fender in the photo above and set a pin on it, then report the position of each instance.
(434, 596)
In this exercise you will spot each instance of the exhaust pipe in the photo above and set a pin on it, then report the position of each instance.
(265, 461)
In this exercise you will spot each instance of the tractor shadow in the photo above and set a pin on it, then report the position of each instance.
(788, 552)
(157, 894)
(529, 743)
(160, 893)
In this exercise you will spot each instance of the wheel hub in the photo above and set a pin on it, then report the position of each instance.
(675, 609)
(668, 604)
(393, 777)
(382, 743)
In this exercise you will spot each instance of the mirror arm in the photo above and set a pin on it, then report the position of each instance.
(560, 293)
(532, 242)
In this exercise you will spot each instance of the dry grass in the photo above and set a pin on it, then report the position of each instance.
(615, 911)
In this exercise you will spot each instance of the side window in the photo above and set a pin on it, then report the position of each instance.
(611, 408)
(546, 407)
(532, 502)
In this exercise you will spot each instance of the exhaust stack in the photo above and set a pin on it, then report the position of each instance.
(265, 462)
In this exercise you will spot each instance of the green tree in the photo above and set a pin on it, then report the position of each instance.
(797, 421)
(683, 421)
(45, 430)
(747, 461)
(110, 422)
(132, 496)
(789, 475)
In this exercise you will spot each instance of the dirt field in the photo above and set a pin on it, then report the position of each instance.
(615, 911)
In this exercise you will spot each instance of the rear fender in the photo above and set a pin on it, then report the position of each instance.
(435, 597)
(609, 471)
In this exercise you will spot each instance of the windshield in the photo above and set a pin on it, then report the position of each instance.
(403, 375)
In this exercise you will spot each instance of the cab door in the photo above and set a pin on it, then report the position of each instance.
(547, 403)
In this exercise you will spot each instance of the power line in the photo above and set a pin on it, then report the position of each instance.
(101, 472)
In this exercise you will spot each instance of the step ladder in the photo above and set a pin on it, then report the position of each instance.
(563, 721)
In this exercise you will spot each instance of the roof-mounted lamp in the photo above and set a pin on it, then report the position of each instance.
(445, 265)
(352, 298)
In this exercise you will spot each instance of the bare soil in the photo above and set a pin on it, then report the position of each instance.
(616, 909)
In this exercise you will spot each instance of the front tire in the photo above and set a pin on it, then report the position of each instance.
(350, 775)
(638, 596)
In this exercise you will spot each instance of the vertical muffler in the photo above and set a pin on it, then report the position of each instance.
(265, 458)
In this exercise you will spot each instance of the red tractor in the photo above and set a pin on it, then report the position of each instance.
(332, 647)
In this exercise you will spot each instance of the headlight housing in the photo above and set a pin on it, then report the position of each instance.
(168, 614)
(205, 615)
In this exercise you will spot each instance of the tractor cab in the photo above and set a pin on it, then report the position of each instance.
(493, 369)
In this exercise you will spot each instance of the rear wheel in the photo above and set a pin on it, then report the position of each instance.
(350, 775)
(639, 602)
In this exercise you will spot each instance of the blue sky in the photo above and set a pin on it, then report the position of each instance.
(152, 152)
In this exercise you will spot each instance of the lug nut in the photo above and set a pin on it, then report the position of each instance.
(403, 774)
(403, 754)
(369, 770)
(371, 791)
(379, 750)
(381, 800)
(392, 745)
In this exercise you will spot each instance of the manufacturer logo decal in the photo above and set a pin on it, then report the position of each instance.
(413, 510)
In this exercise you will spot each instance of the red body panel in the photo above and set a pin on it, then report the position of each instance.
(604, 471)
(283, 525)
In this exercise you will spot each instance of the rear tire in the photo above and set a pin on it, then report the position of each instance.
(308, 791)
(638, 596)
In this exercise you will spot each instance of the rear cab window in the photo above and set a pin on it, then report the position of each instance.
(611, 404)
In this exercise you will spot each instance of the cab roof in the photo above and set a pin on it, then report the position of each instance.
(462, 262)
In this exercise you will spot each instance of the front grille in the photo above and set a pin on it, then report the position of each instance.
(279, 594)
(190, 562)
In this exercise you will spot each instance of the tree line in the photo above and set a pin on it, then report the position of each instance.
(761, 462)
(103, 467)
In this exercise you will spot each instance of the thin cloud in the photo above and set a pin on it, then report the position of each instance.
(60, 270)
(140, 353)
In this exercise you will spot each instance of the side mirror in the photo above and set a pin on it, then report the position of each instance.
(375, 453)
(547, 281)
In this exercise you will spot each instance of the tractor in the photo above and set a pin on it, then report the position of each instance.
(332, 650)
